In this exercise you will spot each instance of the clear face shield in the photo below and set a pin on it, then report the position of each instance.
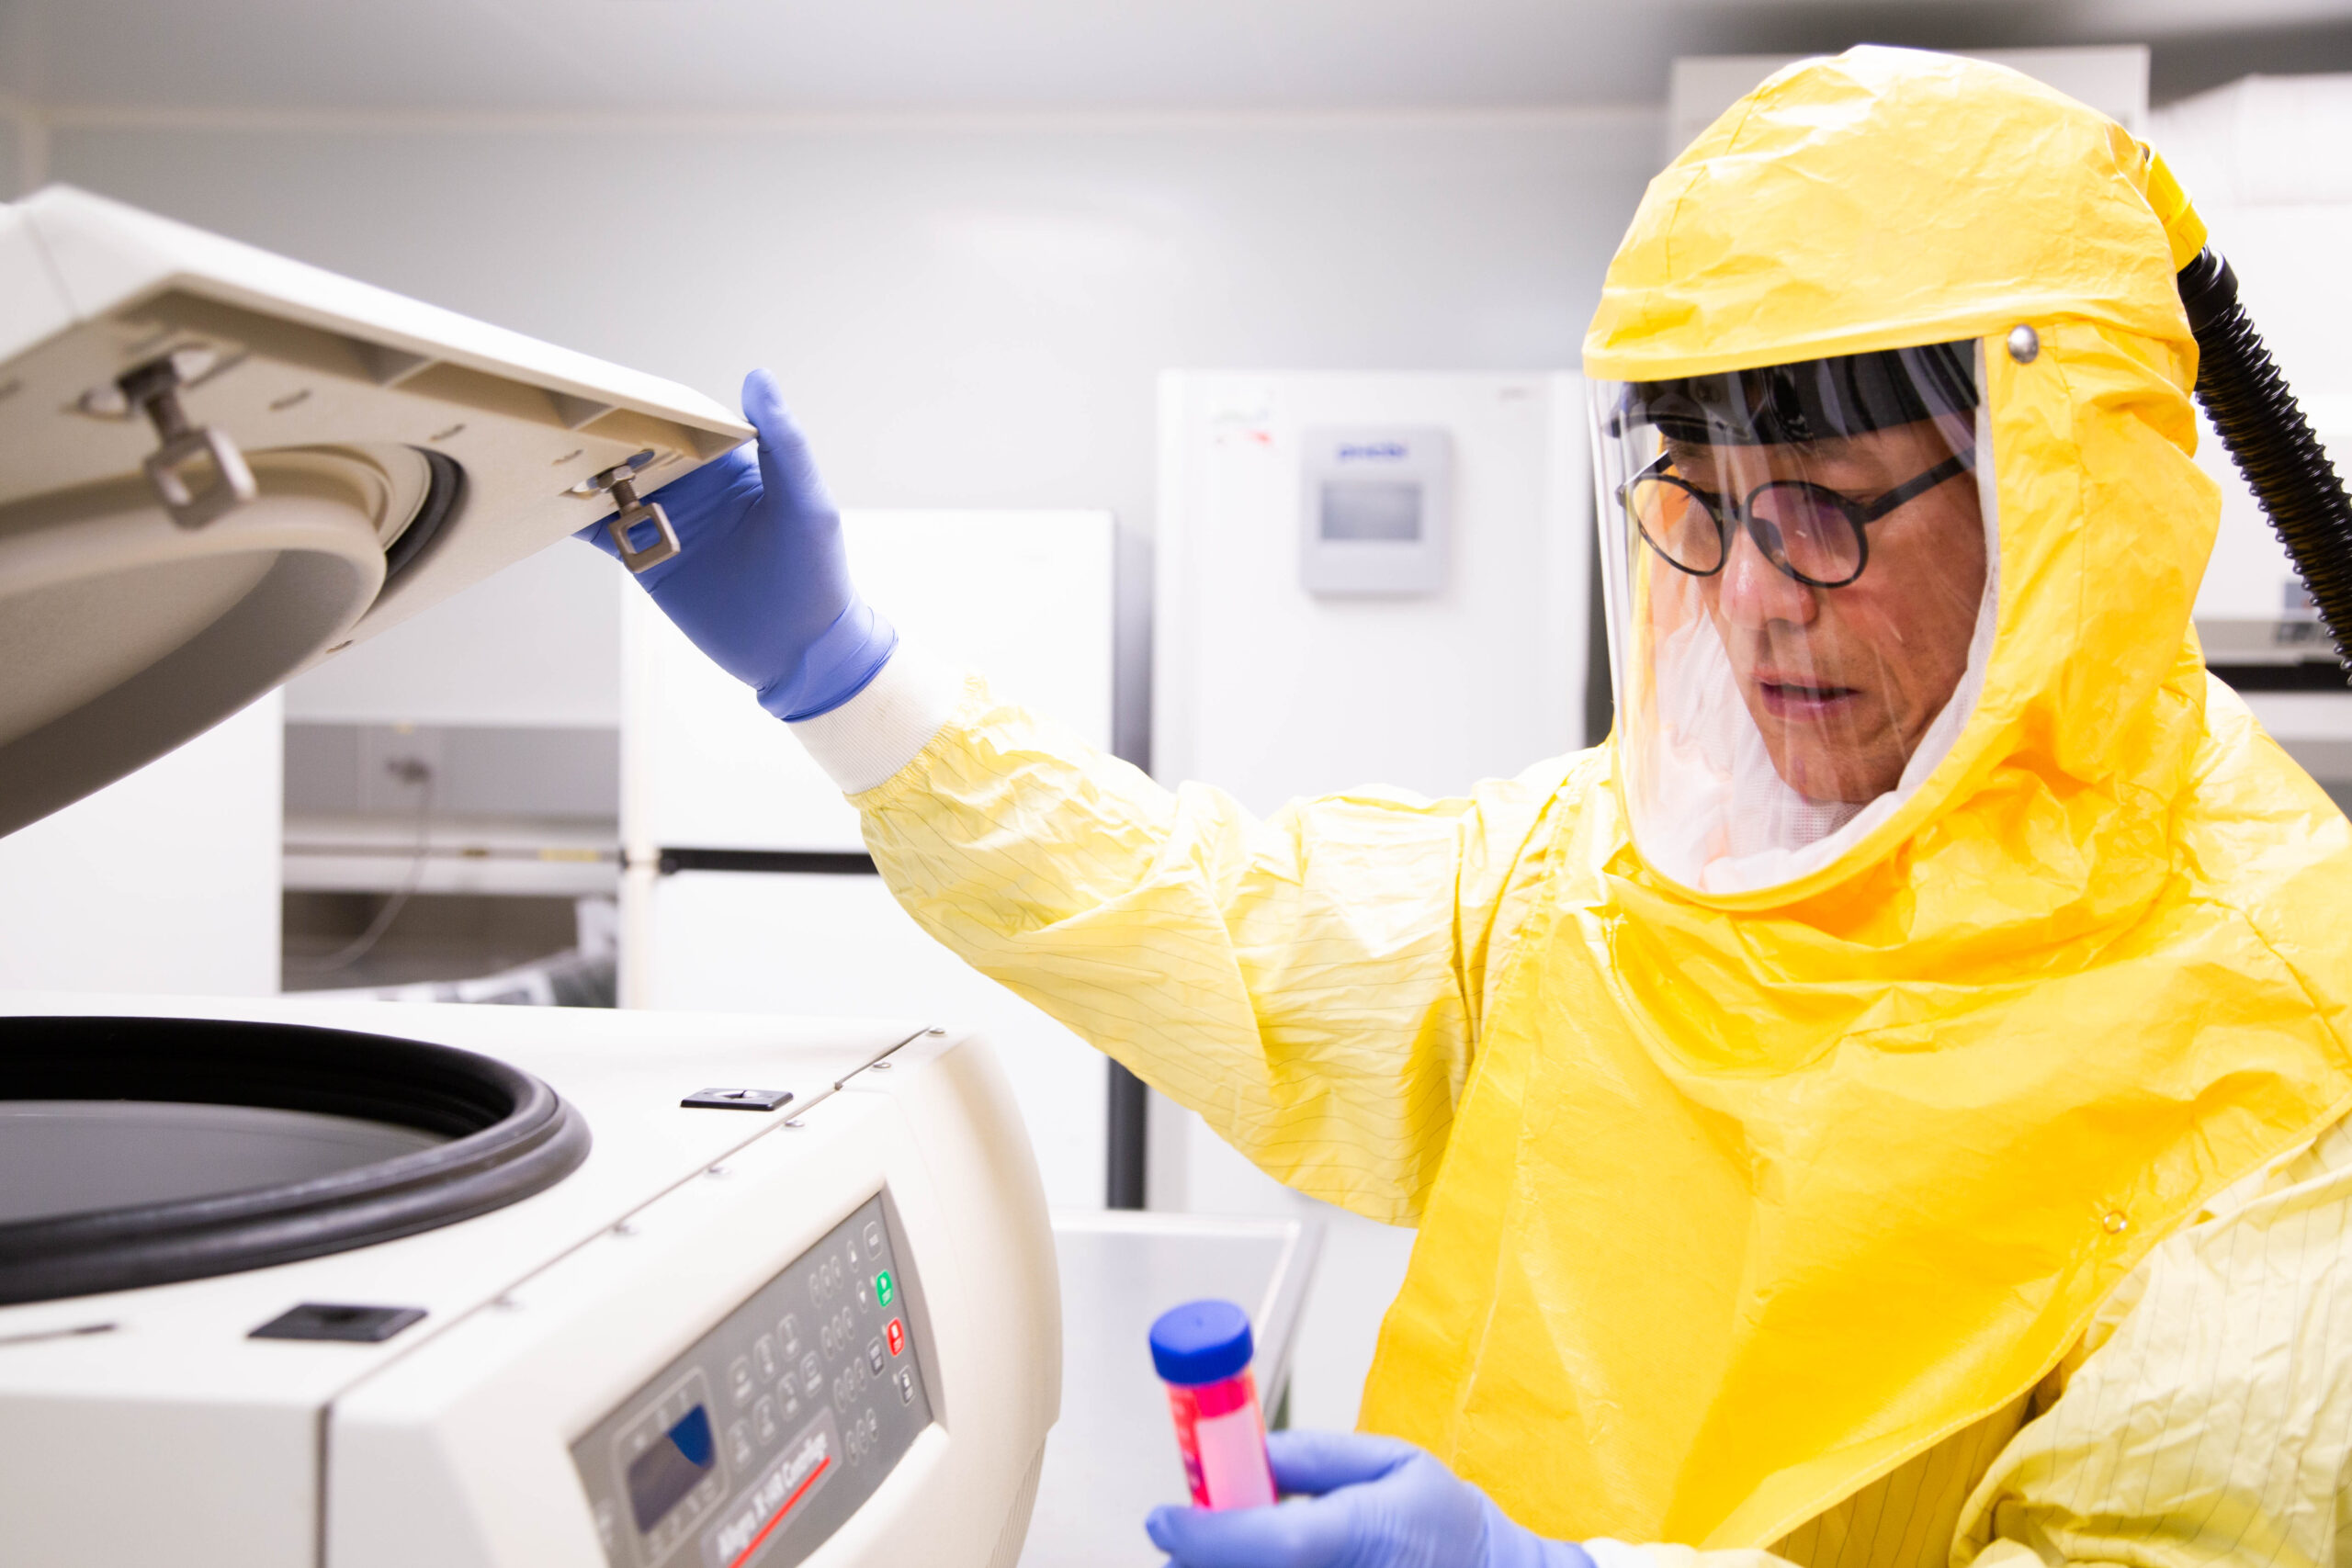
(1798, 564)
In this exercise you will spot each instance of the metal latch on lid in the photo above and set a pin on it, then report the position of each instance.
(621, 481)
(154, 388)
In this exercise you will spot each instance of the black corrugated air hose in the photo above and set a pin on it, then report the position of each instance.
(2270, 441)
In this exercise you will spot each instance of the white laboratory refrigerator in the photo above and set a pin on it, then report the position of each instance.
(1368, 579)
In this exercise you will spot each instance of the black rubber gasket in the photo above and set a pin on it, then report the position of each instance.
(509, 1137)
(444, 497)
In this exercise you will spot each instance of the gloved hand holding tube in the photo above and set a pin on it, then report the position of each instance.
(761, 580)
(1357, 1500)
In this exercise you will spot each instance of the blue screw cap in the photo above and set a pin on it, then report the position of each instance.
(1200, 1342)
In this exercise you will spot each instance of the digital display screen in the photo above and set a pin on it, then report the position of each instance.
(664, 1473)
(1380, 511)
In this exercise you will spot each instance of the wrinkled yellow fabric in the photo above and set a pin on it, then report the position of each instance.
(1909, 1517)
(1312, 984)
(1885, 199)
(1731, 1206)
(2205, 1418)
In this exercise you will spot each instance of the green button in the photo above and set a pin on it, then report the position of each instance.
(883, 1290)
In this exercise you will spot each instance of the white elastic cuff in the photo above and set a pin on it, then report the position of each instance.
(872, 736)
(1607, 1553)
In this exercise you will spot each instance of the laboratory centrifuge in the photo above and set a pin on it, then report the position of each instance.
(347, 1285)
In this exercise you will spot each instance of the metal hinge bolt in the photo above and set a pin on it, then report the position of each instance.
(154, 389)
(621, 479)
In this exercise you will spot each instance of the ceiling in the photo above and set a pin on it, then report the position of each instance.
(867, 56)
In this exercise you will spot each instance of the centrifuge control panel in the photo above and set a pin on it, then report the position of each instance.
(758, 1443)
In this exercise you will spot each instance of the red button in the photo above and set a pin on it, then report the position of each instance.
(897, 1334)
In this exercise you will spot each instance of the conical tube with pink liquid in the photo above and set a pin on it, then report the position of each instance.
(1202, 1351)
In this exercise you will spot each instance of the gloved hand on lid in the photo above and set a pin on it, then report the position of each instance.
(1357, 1500)
(760, 582)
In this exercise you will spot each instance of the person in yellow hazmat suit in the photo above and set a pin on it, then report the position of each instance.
(1883, 1106)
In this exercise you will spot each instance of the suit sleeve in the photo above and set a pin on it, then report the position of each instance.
(2210, 1418)
(1311, 983)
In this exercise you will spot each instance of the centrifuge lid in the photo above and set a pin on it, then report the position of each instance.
(218, 467)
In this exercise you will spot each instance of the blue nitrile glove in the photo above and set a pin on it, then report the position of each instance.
(760, 581)
(1356, 1501)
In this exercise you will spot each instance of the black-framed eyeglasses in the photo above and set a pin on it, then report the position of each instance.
(1809, 531)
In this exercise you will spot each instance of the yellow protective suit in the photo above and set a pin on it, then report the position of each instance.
(1730, 1206)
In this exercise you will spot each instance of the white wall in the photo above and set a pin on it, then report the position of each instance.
(967, 313)
(165, 881)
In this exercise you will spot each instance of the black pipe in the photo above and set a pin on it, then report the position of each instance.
(1126, 1164)
(2271, 442)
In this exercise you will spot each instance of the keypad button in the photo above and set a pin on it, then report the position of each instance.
(739, 1379)
(812, 1374)
(763, 1420)
(787, 1333)
(906, 1385)
(764, 1358)
(897, 1334)
(874, 1237)
(874, 1356)
(738, 1443)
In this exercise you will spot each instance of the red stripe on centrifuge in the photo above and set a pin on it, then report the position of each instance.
(777, 1518)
